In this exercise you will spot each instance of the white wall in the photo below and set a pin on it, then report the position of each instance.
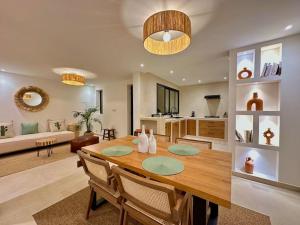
(149, 93)
(63, 100)
(145, 95)
(289, 155)
(115, 105)
(192, 99)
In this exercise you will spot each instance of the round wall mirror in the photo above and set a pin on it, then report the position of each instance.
(31, 99)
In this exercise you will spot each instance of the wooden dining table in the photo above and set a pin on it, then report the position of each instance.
(206, 176)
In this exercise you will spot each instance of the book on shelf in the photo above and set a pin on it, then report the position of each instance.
(274, 69)
(279, 69)
(263, 72)
(270, 69)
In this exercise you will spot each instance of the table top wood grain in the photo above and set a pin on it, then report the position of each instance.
(206, 175)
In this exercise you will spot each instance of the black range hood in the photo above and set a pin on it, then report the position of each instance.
(212, 97)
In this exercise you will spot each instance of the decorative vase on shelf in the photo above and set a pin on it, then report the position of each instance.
(249, 165)
(143, 141)
(244, 74)
(152, 143)
(268, 134)
(257, 102)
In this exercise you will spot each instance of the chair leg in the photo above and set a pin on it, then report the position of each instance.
(121, 216)
(92, 193)
(125, 218)
(190, 210)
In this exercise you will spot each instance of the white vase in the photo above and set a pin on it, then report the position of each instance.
(152, 143)
(143, 141)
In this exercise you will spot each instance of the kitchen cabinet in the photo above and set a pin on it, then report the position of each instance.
(191, 127)
(214, 129)
(175, 131)
(168, 129)
(182, 128)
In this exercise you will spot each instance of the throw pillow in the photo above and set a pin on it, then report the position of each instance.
(6, 130)
(57, 125)
(29, 128)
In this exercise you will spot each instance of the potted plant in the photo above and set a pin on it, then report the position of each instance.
(87, 117)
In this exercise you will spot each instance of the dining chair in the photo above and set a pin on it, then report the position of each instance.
(162, 138)
(101, 180)
(150, 202)
(197, 143)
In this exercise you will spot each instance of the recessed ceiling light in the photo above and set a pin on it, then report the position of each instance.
(288, 27)
(3, 70)
(171, 71)
(183, 79)
(142, 65)
(225, 78)
(199, 81)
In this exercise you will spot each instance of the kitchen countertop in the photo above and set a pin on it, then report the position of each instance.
(183, 118)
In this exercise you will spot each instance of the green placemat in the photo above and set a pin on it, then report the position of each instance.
(136, 141)
(183, 150)
(162, 165)
(119, 150)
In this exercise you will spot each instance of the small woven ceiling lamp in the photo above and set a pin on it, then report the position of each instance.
(167, 21)
(73, 79)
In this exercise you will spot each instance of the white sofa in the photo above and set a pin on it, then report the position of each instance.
(22, 142)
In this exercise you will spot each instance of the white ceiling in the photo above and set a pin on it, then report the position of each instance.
(105, 36)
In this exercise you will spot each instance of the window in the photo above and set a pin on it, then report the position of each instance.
(167, 100)
(100, 100)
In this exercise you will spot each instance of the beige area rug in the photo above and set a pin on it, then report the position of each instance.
(71, 211)
(20, 161)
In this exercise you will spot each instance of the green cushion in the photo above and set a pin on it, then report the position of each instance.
(183, 150)
(117, 150)
(162, 165)
(29, 128)
(136, 141)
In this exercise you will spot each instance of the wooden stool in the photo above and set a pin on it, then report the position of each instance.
(139, 131)
(109, 134)
(47, 142)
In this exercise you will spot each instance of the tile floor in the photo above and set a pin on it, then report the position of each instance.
(25, 193)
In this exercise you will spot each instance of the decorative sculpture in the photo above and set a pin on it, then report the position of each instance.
(255, 101)
(268, 134)
(241, 74)
(249, 165)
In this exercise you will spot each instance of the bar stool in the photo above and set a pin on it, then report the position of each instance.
(109, 134)
(138, 131)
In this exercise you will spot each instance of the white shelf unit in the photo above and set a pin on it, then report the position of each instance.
(266, 157)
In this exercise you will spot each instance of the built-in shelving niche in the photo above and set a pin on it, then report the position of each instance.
(272, 122)
(244, 125)
(265, 162)
(270, 54)
(246, 59)
(268, 92)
